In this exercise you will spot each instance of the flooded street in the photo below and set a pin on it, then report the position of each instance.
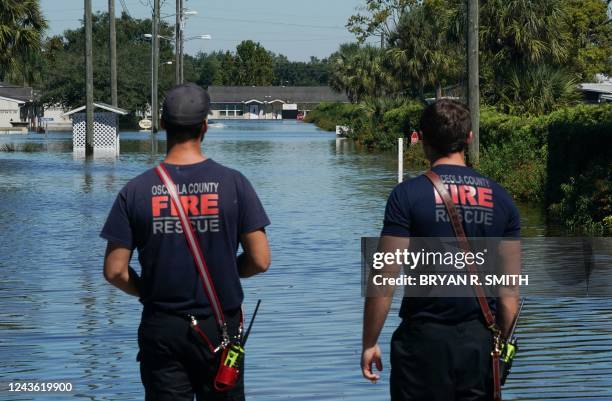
(60, 320)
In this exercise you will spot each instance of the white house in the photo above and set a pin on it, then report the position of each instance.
(18, 108)
(9, 111)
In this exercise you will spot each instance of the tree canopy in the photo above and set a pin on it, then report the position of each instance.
(251, 64)
(22, 26)
(64, 69)
(61, 65)
(532, 52)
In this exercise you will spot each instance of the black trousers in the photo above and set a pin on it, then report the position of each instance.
(441, 362)
(175, 364)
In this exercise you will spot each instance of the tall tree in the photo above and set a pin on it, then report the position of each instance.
(533, 52)
(229, 69)
(254, 64)
(22, 26)
(299, 73)
(590, 34)
(361, 72)
(378, 18)
(518, 36)
(421, 48)
(63, 66)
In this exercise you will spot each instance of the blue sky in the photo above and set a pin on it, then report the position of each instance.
(297, 29)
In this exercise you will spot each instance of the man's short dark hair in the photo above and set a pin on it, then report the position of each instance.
(446, 125)
(182, 133)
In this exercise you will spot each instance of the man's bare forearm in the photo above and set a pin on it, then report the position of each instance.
(128, 282)
(379, 297)
(509, 296)
(507, 305)
(247, 266)
(374, 315)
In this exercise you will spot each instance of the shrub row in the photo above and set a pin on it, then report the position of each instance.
(376, 124)
(563, 158)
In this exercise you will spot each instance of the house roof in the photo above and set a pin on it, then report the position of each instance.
(599, 88)
(10, 99)
(100, 105)
(21, 93)
(287, 94)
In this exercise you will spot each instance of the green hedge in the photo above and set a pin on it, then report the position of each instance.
(514, 153)
(579, 139)
(563, 159)
(375, 130)
(403, 119)
(327, 115)
(579, 184)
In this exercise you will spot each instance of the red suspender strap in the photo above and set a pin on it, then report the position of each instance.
(480, 294)
(194, 247)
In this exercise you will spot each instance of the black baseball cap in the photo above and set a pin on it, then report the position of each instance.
(186, 104)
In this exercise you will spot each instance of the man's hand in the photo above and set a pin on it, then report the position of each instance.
(371, 356)
(376, 308)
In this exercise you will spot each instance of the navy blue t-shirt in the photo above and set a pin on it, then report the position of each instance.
(221, 204)
(414, 209)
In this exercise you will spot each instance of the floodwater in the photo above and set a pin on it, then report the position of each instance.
(60, 321)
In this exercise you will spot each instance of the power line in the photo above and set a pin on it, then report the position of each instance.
(125, 8)
(314, 39)
(301, 16)
(271, 22)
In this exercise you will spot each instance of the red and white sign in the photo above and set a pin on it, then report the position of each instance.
(414, 138)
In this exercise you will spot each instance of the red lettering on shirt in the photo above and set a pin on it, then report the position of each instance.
(209, 204)
(467, 195)
(190, 205)
(158, 203)
(485, 197)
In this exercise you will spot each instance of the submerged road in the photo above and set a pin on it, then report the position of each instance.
(60, 321)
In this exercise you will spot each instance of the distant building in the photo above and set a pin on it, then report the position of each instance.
(19, 108)
(596, 92)
(268, 102)
(55, 119)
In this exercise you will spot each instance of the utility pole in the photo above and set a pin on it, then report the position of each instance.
(89, 121)
(180, 42)
(113, 51)
(473, 78)
(177, 37)
(155, 68)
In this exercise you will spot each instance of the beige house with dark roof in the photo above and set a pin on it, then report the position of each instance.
(18, 108)
(268, 102)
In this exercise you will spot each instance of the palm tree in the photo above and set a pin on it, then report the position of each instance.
(524, 46)
(21, 30)
(523, 31)
(524, 49)
(422, 51)
(361, 72)
(537, 90)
